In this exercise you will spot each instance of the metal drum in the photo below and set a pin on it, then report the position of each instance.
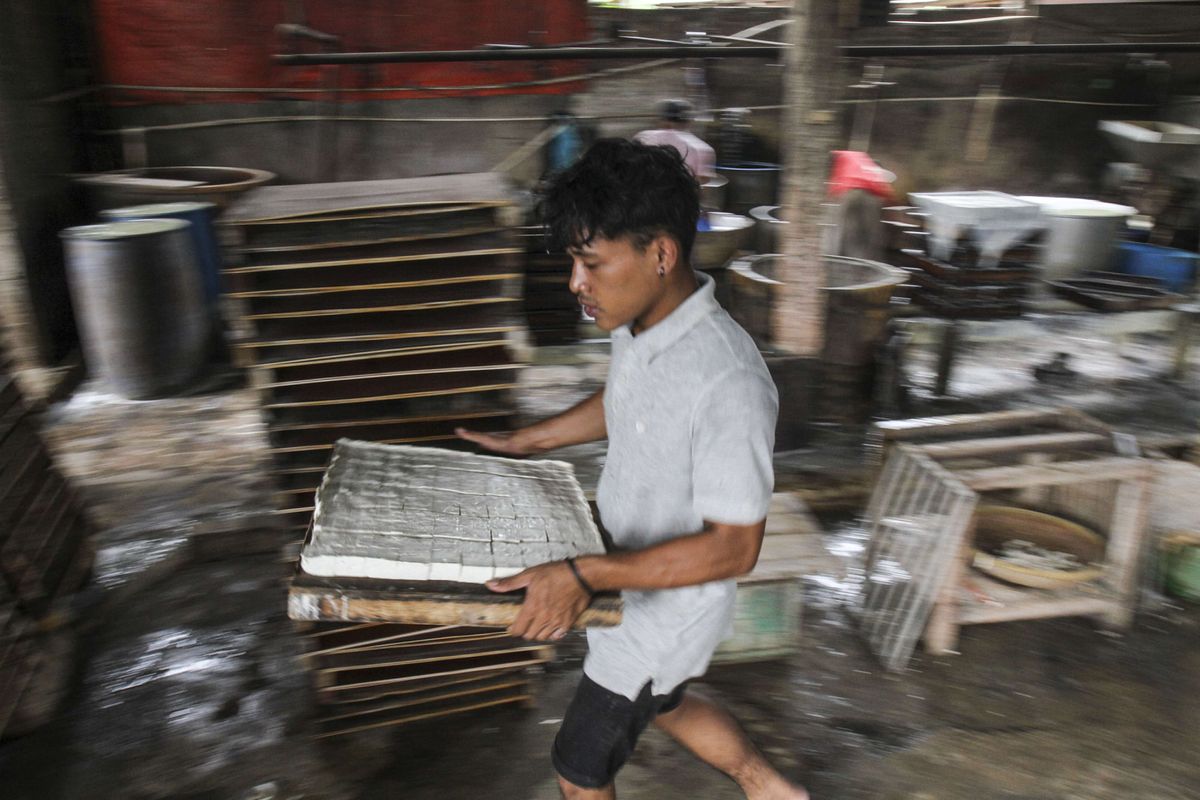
(139, 301)
(203, 236)
(751, 183)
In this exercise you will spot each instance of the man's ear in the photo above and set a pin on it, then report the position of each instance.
(667, 251)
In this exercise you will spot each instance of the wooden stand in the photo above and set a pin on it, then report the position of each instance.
(1060, 461)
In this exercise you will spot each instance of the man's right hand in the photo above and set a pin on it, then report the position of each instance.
(510, 444)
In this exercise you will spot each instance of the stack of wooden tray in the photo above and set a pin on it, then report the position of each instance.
(551, 311)
(378, 675)
(45, 548)
(373, 310)
(961, 287)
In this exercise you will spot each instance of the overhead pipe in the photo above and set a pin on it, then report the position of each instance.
(717, 51)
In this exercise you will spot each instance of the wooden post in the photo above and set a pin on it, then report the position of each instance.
(941, 632)
(1130, 517)
(808, 136)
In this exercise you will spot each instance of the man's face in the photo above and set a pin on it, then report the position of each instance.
(615, 281)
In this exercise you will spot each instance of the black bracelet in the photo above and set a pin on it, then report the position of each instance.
(570, 562)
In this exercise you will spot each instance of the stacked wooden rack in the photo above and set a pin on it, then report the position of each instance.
(962, 286)
(374, 310)
(375, 675)
(45, 556)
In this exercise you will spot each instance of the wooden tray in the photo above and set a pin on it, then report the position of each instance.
(315, 599)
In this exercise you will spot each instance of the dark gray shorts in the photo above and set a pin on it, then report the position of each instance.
(600, 730)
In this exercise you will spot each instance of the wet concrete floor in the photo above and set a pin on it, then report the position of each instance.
(188, 686)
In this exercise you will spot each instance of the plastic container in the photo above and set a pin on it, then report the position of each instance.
(1175, 268)
(1081, 234)
(996, 220)
(204, 239)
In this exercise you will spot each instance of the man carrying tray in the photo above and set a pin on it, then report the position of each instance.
(689, 412)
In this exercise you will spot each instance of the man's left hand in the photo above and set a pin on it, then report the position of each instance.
(553, 601)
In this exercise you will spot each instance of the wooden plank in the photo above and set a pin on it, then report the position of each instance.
(365, 299)
(516, 697)
(440, 391)
(1130, 517)
(389, 365)
(330, 291)
(1014, 445)
(417, 673)
(406, 654)
(348, 695)
(367, 635)
(426, 603)
(362, 338)
(1008, 603)
(907, 429)
(278, 202)
(371, 212)
(423, 349)
(466, 401)
(419, 320)
(471, 687)
(322, 435)
(447, 248)
(1055, 474)
(435, 305)
(290, 251)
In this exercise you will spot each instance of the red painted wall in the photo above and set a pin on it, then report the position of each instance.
(225, 45)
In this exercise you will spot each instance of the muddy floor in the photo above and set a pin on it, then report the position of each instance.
(187, 683)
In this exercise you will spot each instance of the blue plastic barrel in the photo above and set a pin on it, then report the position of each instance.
(203, 236)
(1176, 268)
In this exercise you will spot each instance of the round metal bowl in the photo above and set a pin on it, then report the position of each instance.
(713, 248)
(218, 185)
(995, 525)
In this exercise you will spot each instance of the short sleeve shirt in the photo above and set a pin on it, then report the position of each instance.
(699, 157)
(690, 410)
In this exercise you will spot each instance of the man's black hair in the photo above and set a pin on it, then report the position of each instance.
(623, 188)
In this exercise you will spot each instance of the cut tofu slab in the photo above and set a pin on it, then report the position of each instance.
(397, 512)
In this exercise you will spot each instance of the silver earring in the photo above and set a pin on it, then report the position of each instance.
(661, 271)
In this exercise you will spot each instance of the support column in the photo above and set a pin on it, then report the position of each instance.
(809, 133)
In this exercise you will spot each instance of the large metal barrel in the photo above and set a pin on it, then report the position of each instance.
(857, 297)
(202, 235)
(139, 300)
(751, 183)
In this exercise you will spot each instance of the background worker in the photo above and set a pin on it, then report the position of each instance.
(675, 118)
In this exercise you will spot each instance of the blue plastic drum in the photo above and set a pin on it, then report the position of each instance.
(203, 236)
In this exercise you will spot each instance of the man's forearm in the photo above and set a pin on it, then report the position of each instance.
(715, 553)
(581, 423)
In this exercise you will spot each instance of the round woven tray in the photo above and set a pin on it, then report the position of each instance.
(995, 525)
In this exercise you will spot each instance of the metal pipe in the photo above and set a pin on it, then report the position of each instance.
(717, 51)
(1060, 48)
(532, 54)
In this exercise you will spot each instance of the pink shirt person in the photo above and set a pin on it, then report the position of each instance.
(699, 157)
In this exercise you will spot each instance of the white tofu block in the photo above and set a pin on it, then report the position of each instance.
(413, 513)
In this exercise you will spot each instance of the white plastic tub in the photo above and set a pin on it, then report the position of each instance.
(996, 220)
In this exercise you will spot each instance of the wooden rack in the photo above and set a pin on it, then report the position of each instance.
(376, 310)
(377, 675)
(45, 556)
(1054, 460)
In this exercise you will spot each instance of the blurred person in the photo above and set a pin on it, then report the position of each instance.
(675, 117)
(689, 413)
